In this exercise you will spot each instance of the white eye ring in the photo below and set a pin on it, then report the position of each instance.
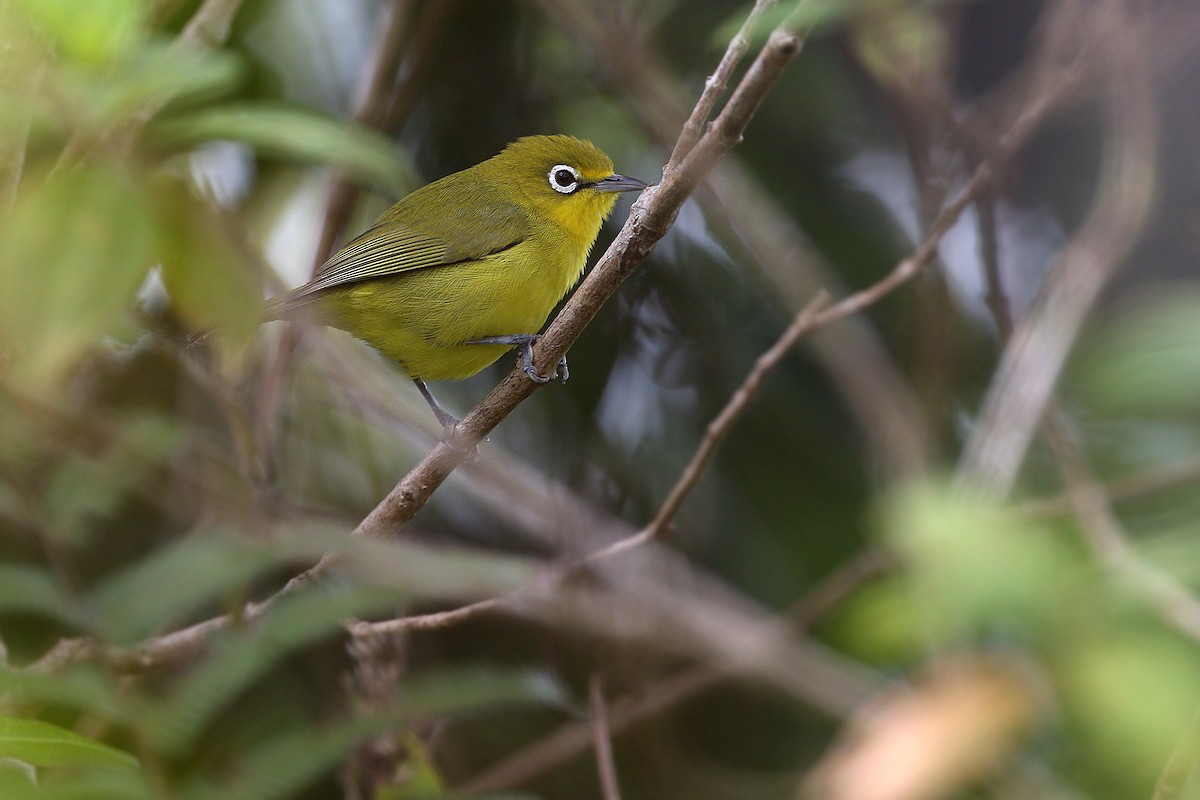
(560, 172)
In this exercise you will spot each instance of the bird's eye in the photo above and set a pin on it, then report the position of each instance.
(564, 179)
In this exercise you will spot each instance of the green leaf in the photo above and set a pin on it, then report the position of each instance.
(455, 691)
(72, 255)
(164, 589)
(96, 31)
(1131, 694)
(293, 621)
(1147, 360)
(974, 566)
(94, 784)
(159, 73)
(208, 276)
(82, 688)
(284, 764)
(45, 745)
(294, 133)
(32, 590)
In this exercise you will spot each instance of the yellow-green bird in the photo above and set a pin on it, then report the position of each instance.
(462, 270)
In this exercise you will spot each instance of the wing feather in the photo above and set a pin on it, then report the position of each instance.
(396, 243)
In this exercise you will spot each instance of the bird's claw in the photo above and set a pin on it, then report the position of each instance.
(526, 362)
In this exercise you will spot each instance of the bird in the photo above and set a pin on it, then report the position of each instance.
(469, 266)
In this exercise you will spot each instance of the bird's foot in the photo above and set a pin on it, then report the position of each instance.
(526, 341)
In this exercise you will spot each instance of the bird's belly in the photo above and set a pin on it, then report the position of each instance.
(422, 319)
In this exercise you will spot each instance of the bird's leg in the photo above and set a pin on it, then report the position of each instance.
(447, 419)
(526, 341)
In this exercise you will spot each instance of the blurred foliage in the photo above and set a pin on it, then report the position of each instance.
(157, 180)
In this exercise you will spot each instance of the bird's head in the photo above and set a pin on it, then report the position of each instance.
(568, 180)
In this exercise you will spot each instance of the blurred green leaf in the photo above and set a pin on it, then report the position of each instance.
(436, 572)
(285, 763)
(974, 566)
(237, 660)
(96, 31)
(95, 784)
(88, 487)
(159, 73)
(1147, 360)
(72, 254)
(82, 688)
(282, 765)
(454, 691)
(32, 590)
(297, 133)
(45, 745)
(165, 588)
(208, 277)
(1132, 693)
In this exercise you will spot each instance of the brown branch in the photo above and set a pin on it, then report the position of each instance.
(1106, 537)
(209, 26)
(1122, 489)
(572, 740)
(602, 739)
(1029, 368)
(741, 400)
(716, 84)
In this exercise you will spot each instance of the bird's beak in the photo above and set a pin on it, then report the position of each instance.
(619, 183)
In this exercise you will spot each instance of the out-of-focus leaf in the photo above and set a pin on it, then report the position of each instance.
(293, 621)
(902, 43)
(295, 133)
(82, 688)
(45, 745)
(208, 278)
(974, 566)
(161, 73)
(286, 763)
(1148, 359)
(31, 590)
(18, 780)
(87, 487)
(815, 15)
(1132, 694)
(437, 572)
(457, 691)
(72, 254)
(879, 623)
(96, 31)
(95, 784)
(163, 589)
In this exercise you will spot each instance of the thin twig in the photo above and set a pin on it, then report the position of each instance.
(1107, 538)
(602, 740)
(209, 26)
(1029, 368)
(716, 84)
(741, 400)
(1122, 490)
(572, 740)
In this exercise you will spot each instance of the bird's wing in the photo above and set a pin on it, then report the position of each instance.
(394, 245)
